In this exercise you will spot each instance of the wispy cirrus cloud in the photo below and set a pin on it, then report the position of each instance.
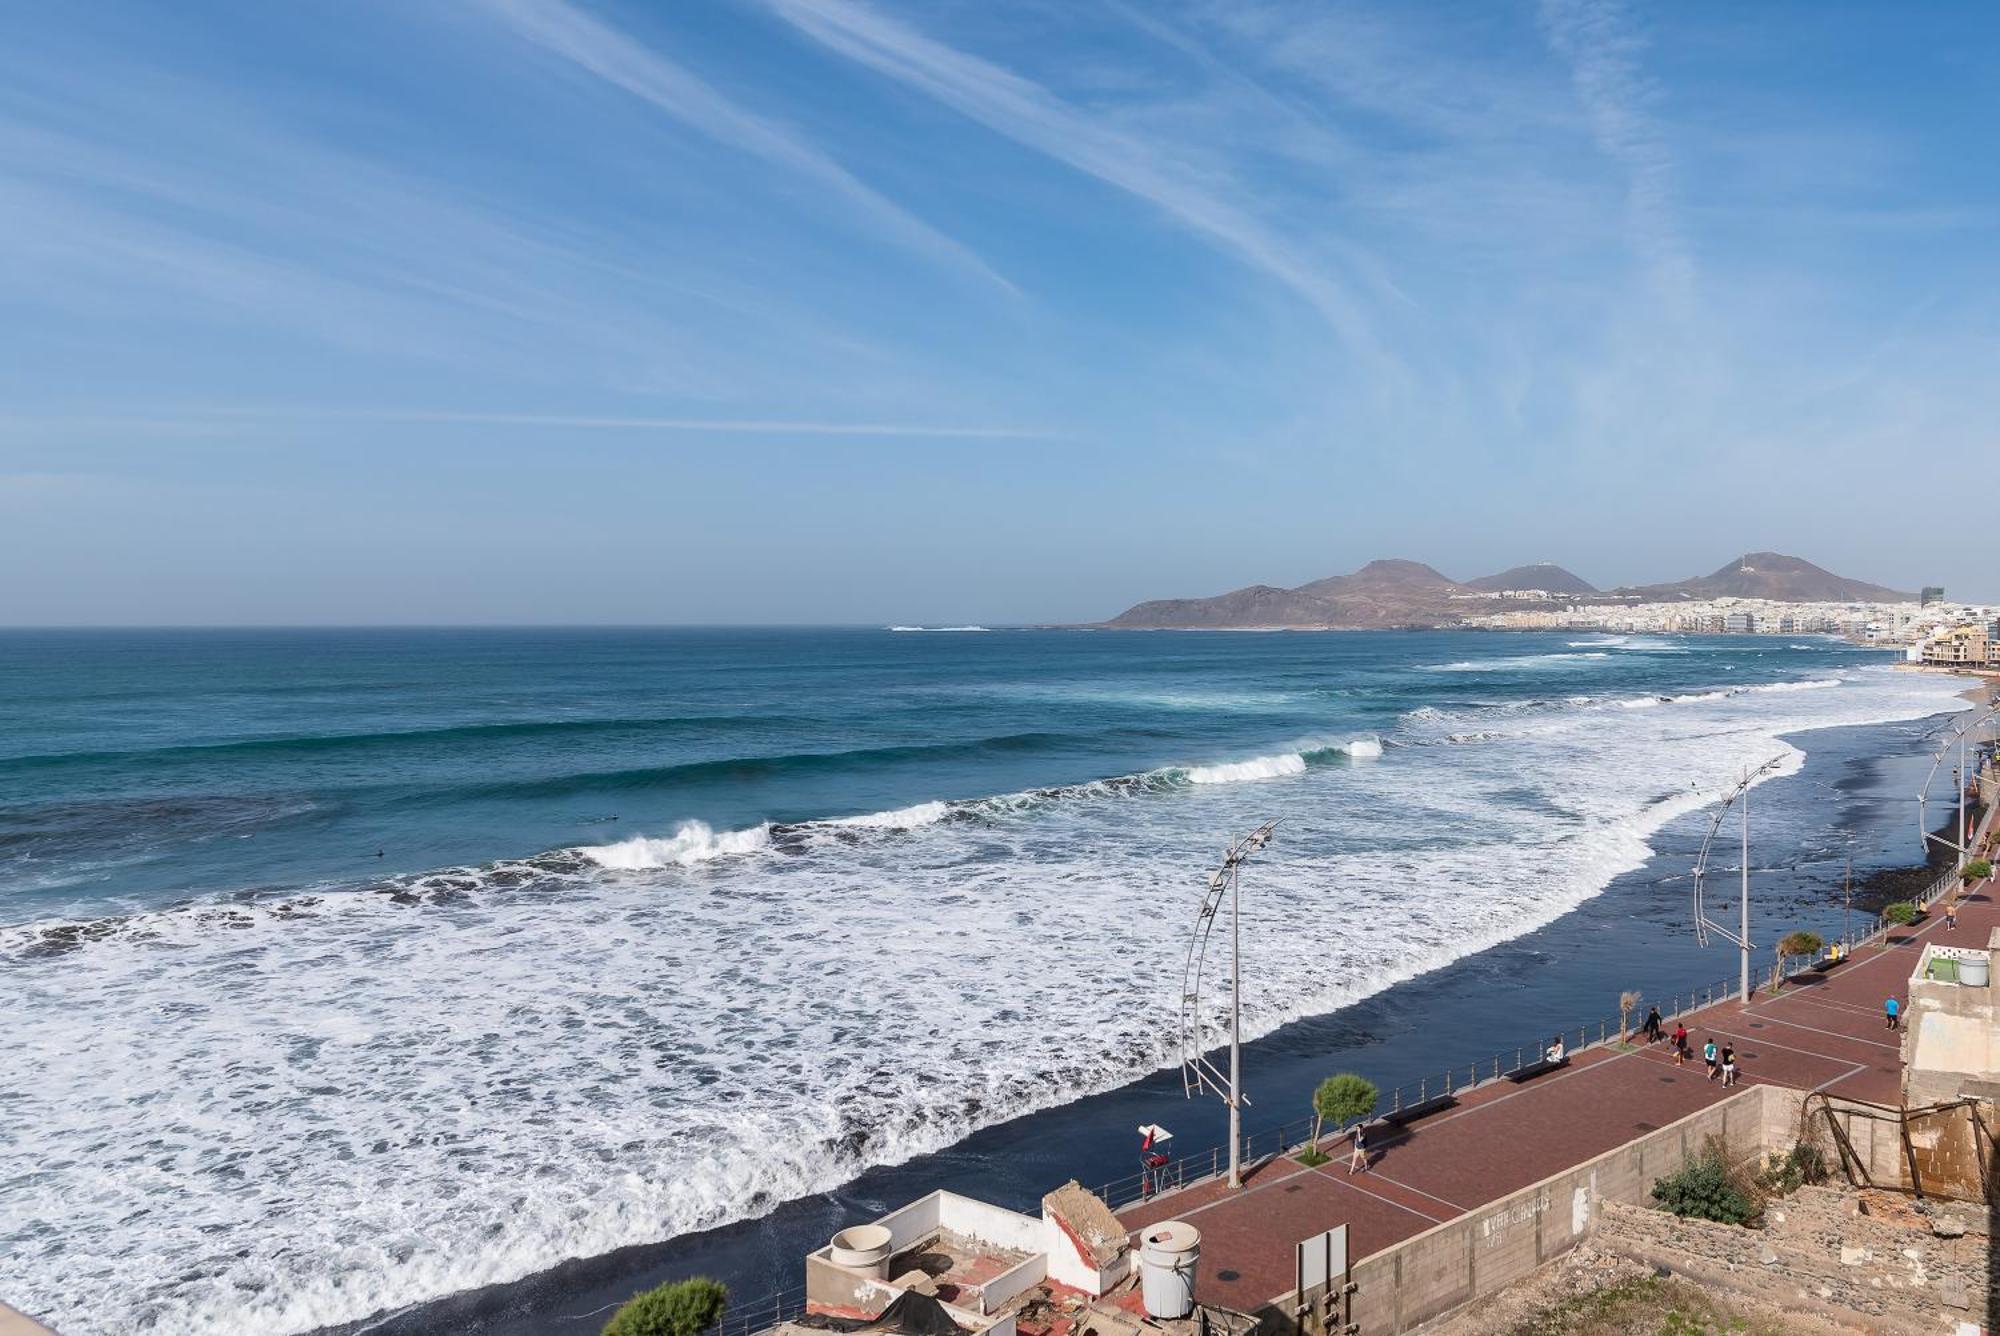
(1602, 44)
(1029, 113)
(626, 63)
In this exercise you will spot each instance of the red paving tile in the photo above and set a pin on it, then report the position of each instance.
(1825, 1033)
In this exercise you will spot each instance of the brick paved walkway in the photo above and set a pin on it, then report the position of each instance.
(1822, 1032)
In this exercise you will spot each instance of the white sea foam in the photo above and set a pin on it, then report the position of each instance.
(273, 1116)
(1365, 749)
(693, 843)
(902, 818)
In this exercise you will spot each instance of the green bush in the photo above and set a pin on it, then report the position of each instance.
(1705, 1189)
(1804, 1164)
(1902, 912)
(679, 1308)
(1979, 869)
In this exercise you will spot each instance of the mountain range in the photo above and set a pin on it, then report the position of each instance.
(1396, 593)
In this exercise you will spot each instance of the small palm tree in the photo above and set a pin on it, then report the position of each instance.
(1628, 1002)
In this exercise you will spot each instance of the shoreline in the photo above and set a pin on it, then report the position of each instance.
(1632, 931)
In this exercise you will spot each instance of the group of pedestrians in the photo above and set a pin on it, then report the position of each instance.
(1720, 1060)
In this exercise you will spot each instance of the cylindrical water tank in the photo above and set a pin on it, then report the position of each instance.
(1168, 1253)
(1975, 971)
(862, 1248)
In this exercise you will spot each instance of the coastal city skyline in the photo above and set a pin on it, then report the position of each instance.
(519, 311)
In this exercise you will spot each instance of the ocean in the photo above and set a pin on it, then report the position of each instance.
(346, 970)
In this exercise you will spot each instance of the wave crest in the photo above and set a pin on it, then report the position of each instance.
(693, 842)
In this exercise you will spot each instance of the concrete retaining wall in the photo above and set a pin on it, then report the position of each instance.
(1462, 1260)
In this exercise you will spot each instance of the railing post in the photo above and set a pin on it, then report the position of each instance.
(1423, 1088)
(1517, 1059)
(1496, 1066)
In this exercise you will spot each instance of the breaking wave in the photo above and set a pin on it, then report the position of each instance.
(1568, 659)
(693, 843)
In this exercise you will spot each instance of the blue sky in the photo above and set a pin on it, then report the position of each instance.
(833, 310)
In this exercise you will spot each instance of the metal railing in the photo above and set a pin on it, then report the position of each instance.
(761, 1314)
(1295, 1135)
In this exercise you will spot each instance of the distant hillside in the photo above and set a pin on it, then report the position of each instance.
(1771, 575)
(1381, 594)
(1393, 593)
(1543, 575)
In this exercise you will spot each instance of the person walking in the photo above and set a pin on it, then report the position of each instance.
(1728, 1065)
(1680, 1044)
(1710, 1055)
(1951, 913)
(1358, 1161)
(1891, 1007)
(1653, 1026)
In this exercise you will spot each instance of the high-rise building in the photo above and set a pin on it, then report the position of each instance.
(1931, 594)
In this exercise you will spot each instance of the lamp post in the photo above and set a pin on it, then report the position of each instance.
(1704, 926)
(1197, 1072)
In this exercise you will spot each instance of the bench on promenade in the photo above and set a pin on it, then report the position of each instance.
(1423, 1108)
(1822, 966)
(1534, 1069)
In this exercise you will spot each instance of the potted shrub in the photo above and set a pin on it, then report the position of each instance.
(1979, 869)
(1904, 912)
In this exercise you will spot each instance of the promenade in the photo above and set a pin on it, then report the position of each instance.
(1820, 1032)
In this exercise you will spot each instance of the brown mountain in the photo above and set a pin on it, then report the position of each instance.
(1543, 575)
(1386, 594)
(1381, 594)
(1771, 575)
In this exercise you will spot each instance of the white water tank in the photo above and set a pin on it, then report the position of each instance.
(1168, 1253)
(1975, 971)
(863, 1249)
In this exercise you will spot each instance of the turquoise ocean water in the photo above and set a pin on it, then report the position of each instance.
(355, 968)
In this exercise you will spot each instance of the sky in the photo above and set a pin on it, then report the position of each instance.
(603, 311)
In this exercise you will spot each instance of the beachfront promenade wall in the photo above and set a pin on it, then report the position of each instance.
(1478, 1254)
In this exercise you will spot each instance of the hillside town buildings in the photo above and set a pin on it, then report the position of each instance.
(1963, 635)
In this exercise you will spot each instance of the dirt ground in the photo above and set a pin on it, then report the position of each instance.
(1595, 1294)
